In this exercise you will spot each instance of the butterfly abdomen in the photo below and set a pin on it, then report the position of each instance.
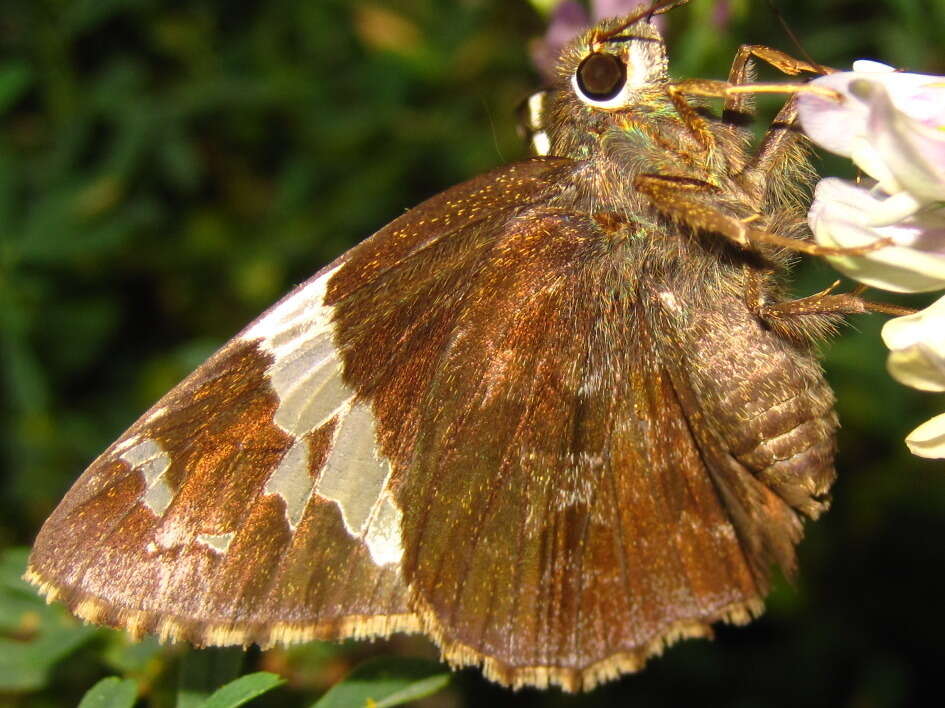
(763, 414)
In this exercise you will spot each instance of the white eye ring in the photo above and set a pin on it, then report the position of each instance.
(617, 100)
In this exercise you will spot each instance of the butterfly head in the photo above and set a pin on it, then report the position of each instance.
(610, 70)
(612, 75)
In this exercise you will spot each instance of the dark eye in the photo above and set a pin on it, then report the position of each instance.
(601, 76)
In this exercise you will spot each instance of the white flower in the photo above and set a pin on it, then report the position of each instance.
(917, 359)
(928, 440)
(842, 216)
(917, 348)
(892, 125)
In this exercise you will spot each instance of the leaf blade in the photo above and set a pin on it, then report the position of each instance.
(111, 692)
(243, 690)
(386, 682)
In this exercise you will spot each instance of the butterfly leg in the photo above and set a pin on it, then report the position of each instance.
(778, 150)
(780, 142)
(742, 72)
(738, 90)
(693, 121)
(826, 302)
(814, 316)
(740, 87)
(680, 199)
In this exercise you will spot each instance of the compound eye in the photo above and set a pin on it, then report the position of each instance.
(600, 77)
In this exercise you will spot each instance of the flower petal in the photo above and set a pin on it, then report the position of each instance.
(866, 156)
(928, 440)
(911, 150)
(602, 9)
(567, 20)
(927, 325)
(841, 216)
(835, 124)
(917, 344)
(918, 367)
(864, 66)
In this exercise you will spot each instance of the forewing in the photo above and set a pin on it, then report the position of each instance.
(252, 502)
(203, 522)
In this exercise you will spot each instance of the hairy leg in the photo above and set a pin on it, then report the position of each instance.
(681, 199)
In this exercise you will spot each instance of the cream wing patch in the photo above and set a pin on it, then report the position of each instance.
(355, 477)
(306, 375)
(382, 535)
(217, 542)
(292, 481)
(536, 108)
(306, 372)
(152, 461)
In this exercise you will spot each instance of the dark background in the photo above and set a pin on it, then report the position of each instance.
(169, 169)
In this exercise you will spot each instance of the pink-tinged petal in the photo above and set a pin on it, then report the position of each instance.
(865, 156)
(920, 96)
(862, 66)
(567, 20)
(722, 14)
(835, 123)
(602, 9)
(928, 440)
(917, 348)
(840, 217)
(913, 152)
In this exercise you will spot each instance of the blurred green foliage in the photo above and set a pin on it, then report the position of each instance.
(168, 169)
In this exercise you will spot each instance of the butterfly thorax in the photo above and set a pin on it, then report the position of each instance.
(613, 140)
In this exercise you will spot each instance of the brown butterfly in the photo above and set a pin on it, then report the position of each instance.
(556, 417)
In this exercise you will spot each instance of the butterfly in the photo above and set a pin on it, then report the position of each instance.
(555, 418)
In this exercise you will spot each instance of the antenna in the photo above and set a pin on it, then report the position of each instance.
(657, 8)
(793, 37)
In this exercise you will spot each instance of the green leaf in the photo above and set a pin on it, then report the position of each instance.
(544, 7)
(85, 15)
(22, 610)
(14, 79)
(385, 682)
(415, 691)
(12, 567)
(83, 220)
(202, 671)
(127, 656)
(38, 635)
(111, 692)
(243, 690)
(25, 666)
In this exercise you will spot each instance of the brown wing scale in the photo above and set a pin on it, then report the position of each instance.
(176, 529)
(114, 560)
(570, 507)
(564, 501)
